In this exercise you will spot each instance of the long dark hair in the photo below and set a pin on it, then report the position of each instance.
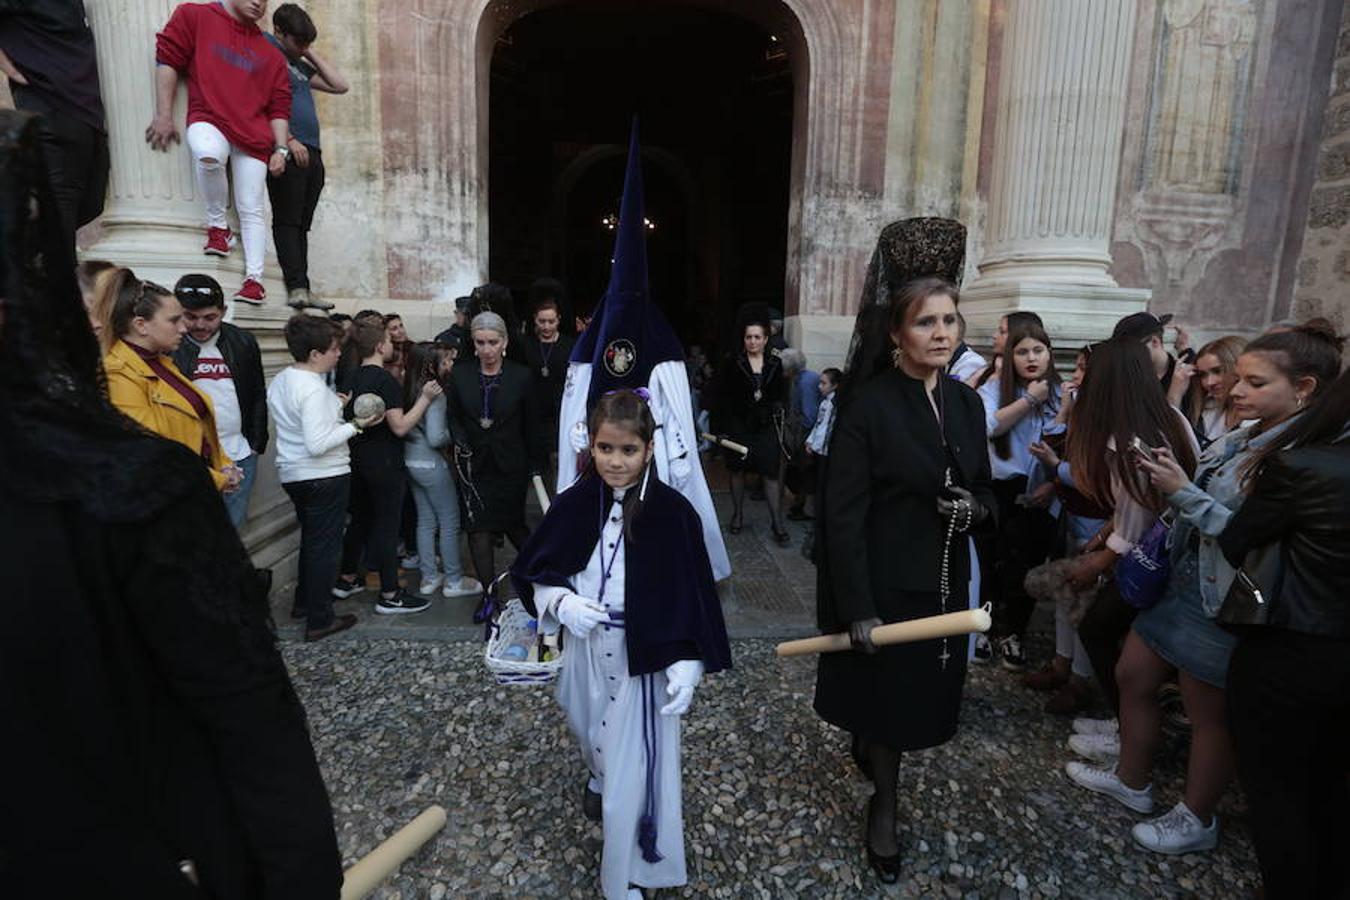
(420, 364)
(628, 410)
(1121, 399)
(1016, 319)
(1326, 422)
(869, 351)
(1008, 379)
(1312, 349)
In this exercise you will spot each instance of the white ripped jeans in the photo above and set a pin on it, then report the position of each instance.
(210, 149)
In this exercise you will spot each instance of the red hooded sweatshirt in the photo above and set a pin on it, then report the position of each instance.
(236, 79)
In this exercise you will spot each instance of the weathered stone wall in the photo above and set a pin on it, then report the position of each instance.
(1218, 160)
(1323, 287)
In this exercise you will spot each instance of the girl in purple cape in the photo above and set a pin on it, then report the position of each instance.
(619, 562)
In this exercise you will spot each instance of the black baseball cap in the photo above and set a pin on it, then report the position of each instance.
(197, 291)
(1140, 326)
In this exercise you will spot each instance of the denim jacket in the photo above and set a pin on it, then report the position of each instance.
(1206, 512)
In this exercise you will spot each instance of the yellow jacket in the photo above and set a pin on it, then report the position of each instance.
(138, 392)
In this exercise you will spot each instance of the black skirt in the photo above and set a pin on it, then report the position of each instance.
(901, 697)
(766, 455)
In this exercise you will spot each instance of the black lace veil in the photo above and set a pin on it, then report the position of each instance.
(906, 250)
(60, 439)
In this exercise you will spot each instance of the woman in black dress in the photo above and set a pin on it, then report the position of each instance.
(908, 474)
(498, 444)
(546, 352)
(749, 400)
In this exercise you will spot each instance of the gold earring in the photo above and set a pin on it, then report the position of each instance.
(897, 355)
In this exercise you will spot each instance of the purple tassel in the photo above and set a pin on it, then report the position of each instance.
(647, 839)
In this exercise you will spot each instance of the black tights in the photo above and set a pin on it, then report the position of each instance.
(884, 763)
(773, 495)
(481, 551)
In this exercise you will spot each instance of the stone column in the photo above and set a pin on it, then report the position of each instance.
(1060, 124)
(153, 221)
(154, 224)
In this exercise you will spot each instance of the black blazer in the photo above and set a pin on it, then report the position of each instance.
(734, 408)
(1301, 498)
(883, 535)
(241, 353)
(514, 445)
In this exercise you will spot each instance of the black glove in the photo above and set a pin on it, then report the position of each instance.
(947, 507)
(860, 635)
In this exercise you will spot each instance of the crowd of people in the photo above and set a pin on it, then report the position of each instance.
(1182, 510)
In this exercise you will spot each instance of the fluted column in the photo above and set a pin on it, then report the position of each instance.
(153, 220)
(1060, 124)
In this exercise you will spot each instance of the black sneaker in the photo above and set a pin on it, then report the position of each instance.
(402, 602)
(344, 587)
(984, 650)
(1010, 649)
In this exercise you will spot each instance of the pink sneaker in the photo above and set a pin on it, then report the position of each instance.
(219, 242)
(252, 292)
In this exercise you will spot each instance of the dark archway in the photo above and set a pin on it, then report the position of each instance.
(714, 93)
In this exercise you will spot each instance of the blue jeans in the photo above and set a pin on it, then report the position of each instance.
(437, 502)
(321, 508)
(236, 503)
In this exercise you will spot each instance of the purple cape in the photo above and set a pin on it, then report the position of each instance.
(671, 608)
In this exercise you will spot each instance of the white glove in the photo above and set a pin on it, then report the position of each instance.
(579, 615)
(682, 676)
(578, 437)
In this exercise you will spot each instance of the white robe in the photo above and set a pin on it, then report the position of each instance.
(604, 708)
(676, 450)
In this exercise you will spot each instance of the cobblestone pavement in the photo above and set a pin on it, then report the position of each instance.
(773, 806)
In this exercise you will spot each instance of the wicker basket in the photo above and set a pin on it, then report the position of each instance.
(510, 626)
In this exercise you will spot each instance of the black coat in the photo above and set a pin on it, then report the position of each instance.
(736, 413)
(149, 715)
(241, 353)
(505, 455)
(882, 539)
(548, 388)
(672, 610)
(1301, 499)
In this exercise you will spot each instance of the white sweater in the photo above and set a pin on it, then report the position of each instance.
(311, 440)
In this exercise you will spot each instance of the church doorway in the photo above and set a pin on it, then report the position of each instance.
(714, 96)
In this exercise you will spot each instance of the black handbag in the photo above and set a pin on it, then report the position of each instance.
(1256, 587)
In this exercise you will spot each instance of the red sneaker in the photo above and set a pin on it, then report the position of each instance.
(219, 241)
(252, 293)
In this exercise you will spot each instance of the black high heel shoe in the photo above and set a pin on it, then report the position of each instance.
(780, 536)
(886, 867)
(734, 526)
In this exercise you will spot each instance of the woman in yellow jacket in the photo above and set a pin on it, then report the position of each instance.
(142, 325)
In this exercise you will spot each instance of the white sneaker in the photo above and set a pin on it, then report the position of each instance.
(429, 585)
(984, 649)
(1178, 831)
(1105, 781)
(1102, 748)
(465, 587)
(1083, 725)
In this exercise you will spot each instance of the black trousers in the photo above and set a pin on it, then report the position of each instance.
(1289, 712)
(1023, 540)
(294, 195)
(321, 508)
(1103, 632)
(377, 505)
(77, 161)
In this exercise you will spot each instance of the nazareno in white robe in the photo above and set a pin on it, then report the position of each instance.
(604, 707)
(675, 451)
